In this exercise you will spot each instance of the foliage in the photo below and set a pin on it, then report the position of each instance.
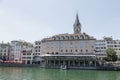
(111, 55)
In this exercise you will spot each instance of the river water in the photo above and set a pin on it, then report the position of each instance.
(14, 73)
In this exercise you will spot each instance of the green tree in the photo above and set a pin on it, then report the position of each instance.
(111, 55)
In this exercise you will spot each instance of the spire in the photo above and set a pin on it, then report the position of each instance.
(77, 19)
(77, 25)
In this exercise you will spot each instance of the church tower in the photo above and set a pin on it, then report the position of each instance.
(77, 26)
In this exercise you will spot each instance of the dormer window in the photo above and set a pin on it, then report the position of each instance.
(76, 37)
(57, 38)
(86, 37)
(71, 37)
(81, 37)
(62, 38)
(67, 37)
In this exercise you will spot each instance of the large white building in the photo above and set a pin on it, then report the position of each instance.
(107, 42)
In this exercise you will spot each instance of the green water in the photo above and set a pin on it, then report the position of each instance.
(9, 73)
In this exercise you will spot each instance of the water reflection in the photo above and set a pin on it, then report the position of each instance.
(11, 73)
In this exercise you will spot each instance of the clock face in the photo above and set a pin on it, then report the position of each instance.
(77, 30)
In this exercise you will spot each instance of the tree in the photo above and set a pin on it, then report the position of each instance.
(111, 55)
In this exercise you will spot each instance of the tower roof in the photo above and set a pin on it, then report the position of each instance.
(77, 20)
(77, 25)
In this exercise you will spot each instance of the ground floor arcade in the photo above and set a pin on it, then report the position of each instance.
(78, 61)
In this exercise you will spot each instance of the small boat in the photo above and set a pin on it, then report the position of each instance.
(63, 67)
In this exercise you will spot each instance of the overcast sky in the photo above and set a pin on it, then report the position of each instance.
(33, 20)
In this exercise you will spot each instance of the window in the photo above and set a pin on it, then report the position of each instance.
(66, 50)
(24, 54)
(48, 45)
(76, 37)
(52, 53)
(66, 45)
(67, 37)
(81, 37)
(86, 44)
(36, 43)
(56, 44)
(61, 45)
(76, 50)
(61, 50)
(71, 37)
(57, 38)
(76, 44)
(81, 50)
(86, 37)
(56, 52)
(71, 50)
(71, 46)
(92, 46)
(81, 44)
(86, 50)
(62, 38)
(52, 44)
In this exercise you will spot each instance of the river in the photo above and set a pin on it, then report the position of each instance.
(32, 73)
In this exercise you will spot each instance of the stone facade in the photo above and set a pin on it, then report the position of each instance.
(71, 50)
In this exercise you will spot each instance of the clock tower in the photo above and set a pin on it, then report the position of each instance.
(77, 26)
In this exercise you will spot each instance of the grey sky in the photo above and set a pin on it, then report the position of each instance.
(32, 20)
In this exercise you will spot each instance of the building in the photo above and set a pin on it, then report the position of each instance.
(37, 48)
(5, 51)
(101, 46)
(27, 54)
(107, 42)
(72, 50)
(17, 48)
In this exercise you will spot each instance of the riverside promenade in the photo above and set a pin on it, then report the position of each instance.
(102, 66)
